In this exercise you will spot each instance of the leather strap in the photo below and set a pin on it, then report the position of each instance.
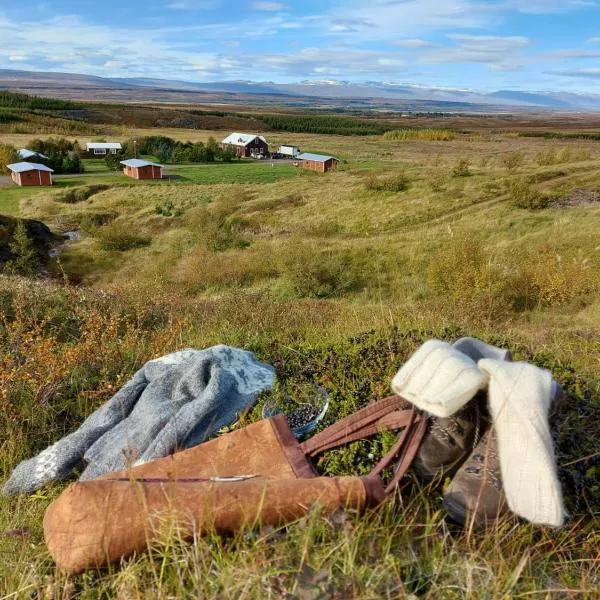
(382, 415)
(388, 414)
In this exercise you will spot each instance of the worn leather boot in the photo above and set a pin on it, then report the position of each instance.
(476, 490)
(449, 441)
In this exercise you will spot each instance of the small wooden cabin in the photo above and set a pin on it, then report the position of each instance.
(137, 168)
(318, 162)
(101, 149)
(246, 144)
(27, 174)
(26, 154)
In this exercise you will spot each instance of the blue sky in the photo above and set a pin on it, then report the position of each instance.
(475, 44)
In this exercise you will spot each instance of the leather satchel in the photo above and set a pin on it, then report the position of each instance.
(257, 475)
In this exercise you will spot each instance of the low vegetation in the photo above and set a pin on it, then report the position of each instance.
(427, 134)
(334, 279)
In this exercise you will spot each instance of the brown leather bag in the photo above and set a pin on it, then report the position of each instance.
(259, 474)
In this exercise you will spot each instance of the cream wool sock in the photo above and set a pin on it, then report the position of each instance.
(519, 400)
(439, 379)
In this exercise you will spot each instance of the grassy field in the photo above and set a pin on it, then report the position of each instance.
(333, 278)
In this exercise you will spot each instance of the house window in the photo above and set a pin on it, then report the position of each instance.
(113, 150)
(99, 151)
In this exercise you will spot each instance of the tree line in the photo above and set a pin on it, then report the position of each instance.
(323, 124)
(26, 102)
(170, 151)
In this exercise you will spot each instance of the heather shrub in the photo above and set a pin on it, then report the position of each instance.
(313, 272)
(467, 281)
(513, 161)
(79, 194)
(118, 236)
(462, 168)
(524, 195)
(545, 276)
(398, 182)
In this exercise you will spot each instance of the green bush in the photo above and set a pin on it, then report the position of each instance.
(89, 222)
(316, 273)
(427, 134)
(398, 182)
(80, 194)
(524, 195)
(462, 168)
(119, 237)
(513, 161)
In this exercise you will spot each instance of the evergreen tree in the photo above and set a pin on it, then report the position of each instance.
(25, 259)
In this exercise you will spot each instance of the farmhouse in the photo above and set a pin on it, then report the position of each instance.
(100, 149)
(318, 162)
(289, 151)
(25, 154)
(246, 144)
(26, 174)
(142, 169)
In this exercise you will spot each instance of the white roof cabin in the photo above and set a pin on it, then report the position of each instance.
(103, 147)
(242, 139)
(24, 154)
(136, 163)
(21, 167)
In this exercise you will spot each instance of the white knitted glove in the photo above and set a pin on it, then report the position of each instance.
(439, 379)
(519, 400)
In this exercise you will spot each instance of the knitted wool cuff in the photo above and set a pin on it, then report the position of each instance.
(519, 400)
(439, 379)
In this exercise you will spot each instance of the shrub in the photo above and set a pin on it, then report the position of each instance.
(120, 237)
(462, 168)
(8, 155)
(546, 158)
(80, 194)
(398, 182)
(524, 195)
(25, 260)
(316, 273)
(437, 182)
(513, 161)
(552, 279)
(89, 222)
(432, 135)
(217, 229)
(467, 281)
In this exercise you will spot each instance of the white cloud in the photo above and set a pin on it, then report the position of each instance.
(268, 6)
(578, 73)
(412, 43)
(194, 5)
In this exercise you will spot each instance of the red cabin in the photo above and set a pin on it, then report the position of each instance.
(26, 174)
(137, 168)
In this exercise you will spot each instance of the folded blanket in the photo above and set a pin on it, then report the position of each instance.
(174, 402)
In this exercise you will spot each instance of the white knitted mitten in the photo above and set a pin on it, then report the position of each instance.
(519, 401)
(439, 379)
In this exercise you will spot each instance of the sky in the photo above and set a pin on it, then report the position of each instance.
(482, 45)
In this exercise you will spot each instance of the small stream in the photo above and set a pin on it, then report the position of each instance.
(71, 236)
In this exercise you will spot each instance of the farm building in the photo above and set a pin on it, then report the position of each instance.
(26, 174)
(100, 149)
(25, 154)
(289, 151)
(137, 168)
(246, 144)
(318, 162)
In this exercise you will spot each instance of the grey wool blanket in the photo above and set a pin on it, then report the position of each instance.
(171, 403)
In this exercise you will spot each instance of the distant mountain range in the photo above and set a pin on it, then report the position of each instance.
(377, 90)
